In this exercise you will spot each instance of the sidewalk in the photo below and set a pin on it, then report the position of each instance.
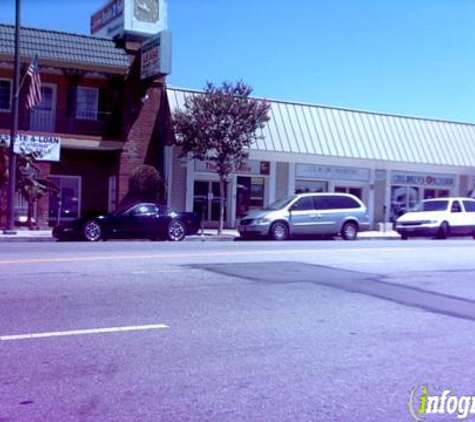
(25, 235)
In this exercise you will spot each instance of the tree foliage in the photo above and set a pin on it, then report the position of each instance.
(31, 186)
(219, 125)
(145, 184)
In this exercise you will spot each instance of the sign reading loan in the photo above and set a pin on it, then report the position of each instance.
(156, 56)
(45, 148)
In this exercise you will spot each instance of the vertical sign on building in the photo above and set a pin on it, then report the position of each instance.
(155, 57)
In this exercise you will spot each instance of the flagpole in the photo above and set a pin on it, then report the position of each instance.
(12, 158)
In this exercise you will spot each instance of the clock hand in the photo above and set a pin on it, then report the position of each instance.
(143, 7)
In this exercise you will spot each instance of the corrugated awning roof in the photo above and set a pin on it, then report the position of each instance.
(324, 131)
(64, 47)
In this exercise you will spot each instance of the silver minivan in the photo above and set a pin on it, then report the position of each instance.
(328, 214)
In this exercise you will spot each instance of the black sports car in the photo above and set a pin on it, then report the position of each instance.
(143, 220)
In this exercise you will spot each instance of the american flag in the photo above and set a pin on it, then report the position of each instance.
(34, 93)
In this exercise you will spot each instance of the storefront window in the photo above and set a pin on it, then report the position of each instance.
(436, 193)
(302, 186)
(249, 194)
(403, 199)
(65, 206)
(358, 192)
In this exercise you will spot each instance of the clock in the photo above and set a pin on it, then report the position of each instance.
(146, 10)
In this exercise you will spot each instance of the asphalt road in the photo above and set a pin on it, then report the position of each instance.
(233, 331)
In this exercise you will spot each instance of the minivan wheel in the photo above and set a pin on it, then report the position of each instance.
(279, 231)
(349, 231)
(92, 231)
(443, 231)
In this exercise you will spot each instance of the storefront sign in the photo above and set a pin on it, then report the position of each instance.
(422, 179)
(137, 17)
(316, 171)
(108, 21)
(44, 148)
(249, 167)
(156, 56)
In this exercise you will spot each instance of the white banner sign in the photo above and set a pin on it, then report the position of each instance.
(45, 148)
(316, 171)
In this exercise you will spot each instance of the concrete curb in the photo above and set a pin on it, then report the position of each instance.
(45, 236)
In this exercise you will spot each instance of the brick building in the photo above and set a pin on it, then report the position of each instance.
(108, 119)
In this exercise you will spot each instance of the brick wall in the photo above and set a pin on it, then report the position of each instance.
(141, 128)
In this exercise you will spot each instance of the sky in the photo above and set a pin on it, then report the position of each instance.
(406, 57)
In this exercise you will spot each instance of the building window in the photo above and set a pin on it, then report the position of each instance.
(403, 199)
(5, 94)
(66, 206)
(304, 186)
(358, 192)
(249, 194)
(436, 193)
(87, 103)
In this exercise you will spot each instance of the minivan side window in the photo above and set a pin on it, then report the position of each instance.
(303, 204)
(335, 202)
(469, 206)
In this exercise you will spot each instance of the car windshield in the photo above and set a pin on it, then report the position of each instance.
(280, 203)
(434, 206)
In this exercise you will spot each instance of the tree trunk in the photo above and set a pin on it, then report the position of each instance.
(29, 221)
(222, 203)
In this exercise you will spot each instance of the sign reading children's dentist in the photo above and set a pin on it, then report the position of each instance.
(44, 148)
(139, 17)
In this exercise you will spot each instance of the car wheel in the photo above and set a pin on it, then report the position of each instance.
(349, 231)
(444, 230)
(92, 231)
(279, 231)
(176, 231)
(404, 236)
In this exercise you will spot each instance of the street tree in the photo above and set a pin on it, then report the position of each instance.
(31, 186)
(145, 184)
(219, 125)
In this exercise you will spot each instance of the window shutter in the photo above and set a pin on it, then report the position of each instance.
(72, 100)
(102, 104)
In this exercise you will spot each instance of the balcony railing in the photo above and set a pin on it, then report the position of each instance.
(106, 124)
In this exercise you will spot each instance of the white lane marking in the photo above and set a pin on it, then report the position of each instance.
(83, 332)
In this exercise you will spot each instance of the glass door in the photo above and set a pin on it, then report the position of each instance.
(65, 206)
(249, 194)
(206, 201)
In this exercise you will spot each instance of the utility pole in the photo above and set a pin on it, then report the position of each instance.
(12, 158)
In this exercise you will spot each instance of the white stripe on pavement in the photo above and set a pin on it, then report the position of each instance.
(83, 332)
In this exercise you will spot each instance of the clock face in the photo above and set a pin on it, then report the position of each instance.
(146, 10)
